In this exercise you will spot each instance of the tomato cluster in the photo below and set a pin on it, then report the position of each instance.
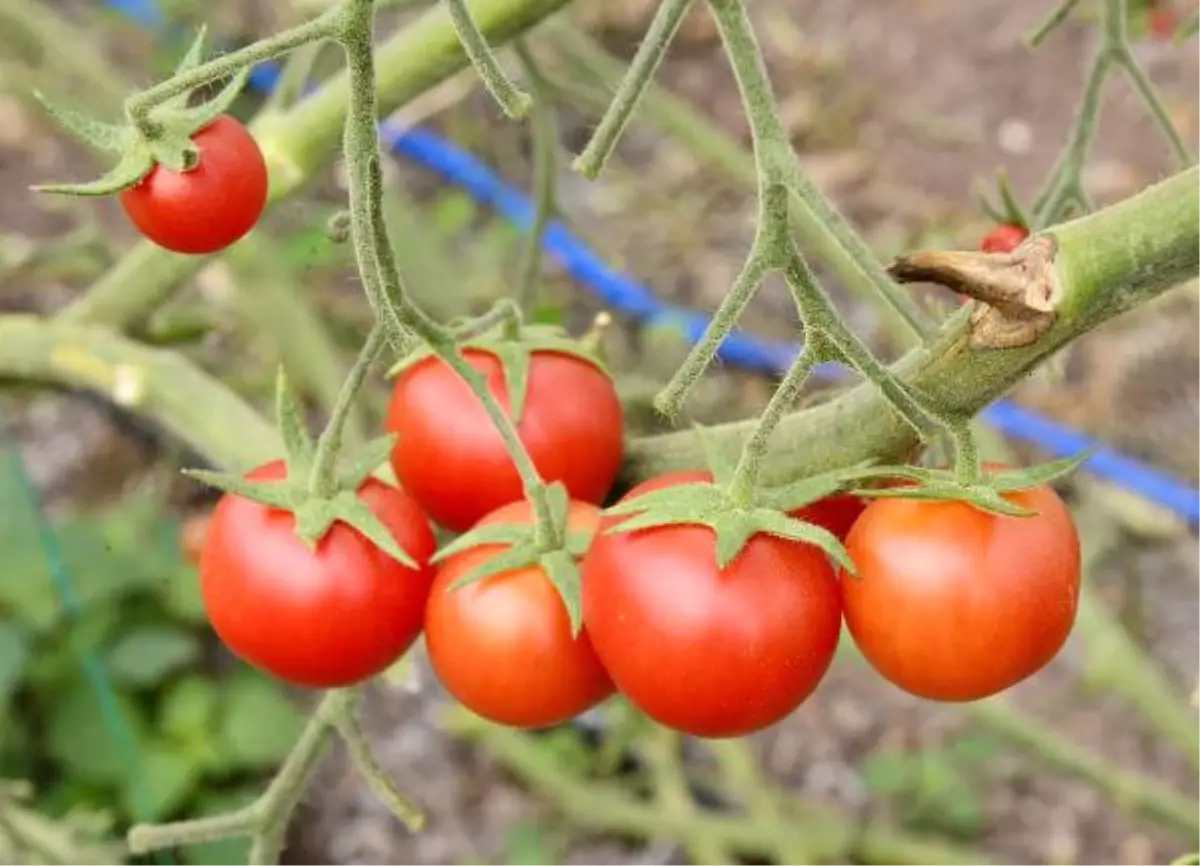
(949, 602)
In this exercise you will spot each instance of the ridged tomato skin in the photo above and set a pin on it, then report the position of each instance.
(320, 618)
(207, 208)
(709, 652)
(451, 459)
(952, 603)
(502, 646)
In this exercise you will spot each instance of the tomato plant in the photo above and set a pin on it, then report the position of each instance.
(954, 603)
(451, 459)
(1003, 239)
(710, 652)
(502, 645)
(208, 207)
(324, 617)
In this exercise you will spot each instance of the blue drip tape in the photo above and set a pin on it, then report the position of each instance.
(627, 296)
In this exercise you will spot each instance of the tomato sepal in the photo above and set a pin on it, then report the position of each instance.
(277, 494)
(314, 517)
(298, 445)
(354, 469)
(1010, 480)
(709, 504)
(790, 497)
(513, 344)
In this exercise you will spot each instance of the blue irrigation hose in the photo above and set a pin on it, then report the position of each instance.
(625, 295)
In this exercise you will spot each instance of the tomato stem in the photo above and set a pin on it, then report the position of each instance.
(323, 477)
(397, 312)
(138, 107)
(511, 99)
(637, 78)
(968, 469)
(545, 168)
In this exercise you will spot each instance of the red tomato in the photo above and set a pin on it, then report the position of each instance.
(322, 618)
(209, 207)
(503, 645)
(836, 513)
(1003, 239)
(713, 653)
(955, 604)
(1162, 22)
(451, 459)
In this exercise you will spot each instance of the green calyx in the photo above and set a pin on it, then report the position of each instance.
(513, 344)
(1009, 211)
(985, 493)
(315, 513)
(162, 135)
(557, 557)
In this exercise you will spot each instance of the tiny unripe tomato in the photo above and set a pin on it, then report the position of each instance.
(502, 646)
(449, 455)
(324, 617)
(208, 207)
(708, 651)
(952, 603)
(1003, 239)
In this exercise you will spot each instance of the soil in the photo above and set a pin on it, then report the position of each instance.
(897, 110)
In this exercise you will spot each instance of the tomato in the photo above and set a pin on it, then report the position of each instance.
(451, 459)
(709, 652)
(952, 603)
(1161, 22)
(835, 513)
(320, 618)
(1003, 239)
(503, 645)
(209, 207)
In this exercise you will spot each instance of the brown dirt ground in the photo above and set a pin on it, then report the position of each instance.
(897, 108)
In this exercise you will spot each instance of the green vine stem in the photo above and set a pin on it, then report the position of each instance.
(649, 56)
(545, 170)
(508, 96)
(138, 107)
(661, 748)
(323, 480)
(297, 143)
(824, 834)
(377, 265)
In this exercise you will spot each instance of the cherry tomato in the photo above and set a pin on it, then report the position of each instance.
(836, 513)
(710, 652)
(503, 645)
(320, 618)
(1003, 239)
(209, 207)
(952, 603)
(451, 459)
(1161, 22)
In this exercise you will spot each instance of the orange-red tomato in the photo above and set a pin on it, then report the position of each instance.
(710, 652)
(319, 618)
(953, 603)
(503, 645)
(1003, 239)
(207, 208)
(451, 459)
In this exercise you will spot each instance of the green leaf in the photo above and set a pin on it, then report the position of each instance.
(135, 164)
(166, 777)
(14, 653)
(493, 533)
(297, 442)
(560, 567)
(258, 725)
(514, 360)
(146, 655)
(517, 556)
(352, 511)
(78, 740)
(188, 708)
(890, 772)
(182, 597)
(104, 136)
(365, 460)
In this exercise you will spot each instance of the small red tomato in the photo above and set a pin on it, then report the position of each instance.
(320, 618)
(1003, 239)
(952, 603)
(503, 645)
(451, 459)
(207, 208)
(1162, 22)
(710, 652)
